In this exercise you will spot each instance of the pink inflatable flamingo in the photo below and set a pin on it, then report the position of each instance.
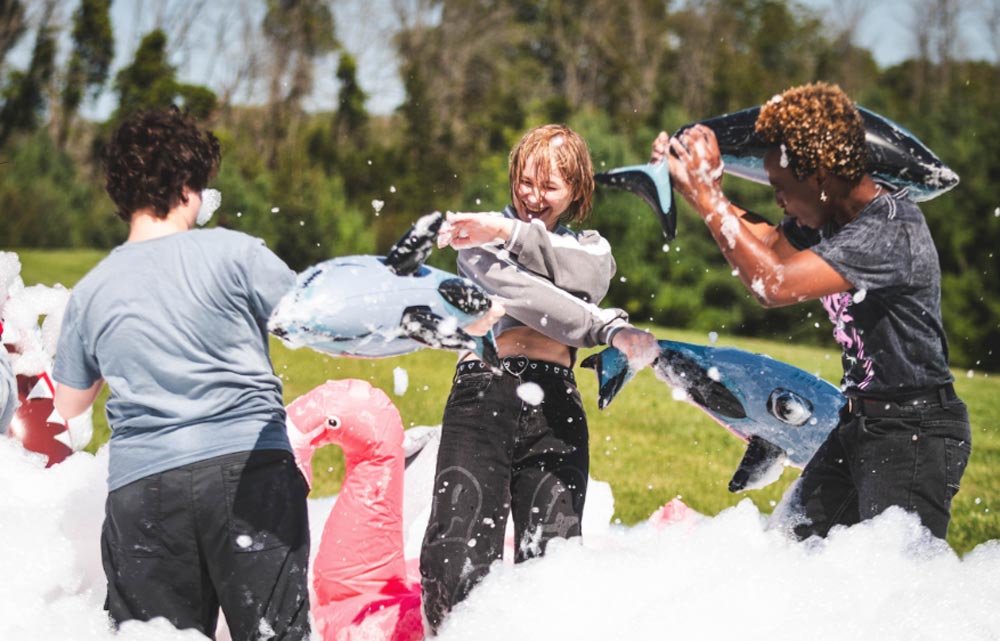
(362, 586)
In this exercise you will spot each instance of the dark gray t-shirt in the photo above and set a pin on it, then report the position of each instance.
(889, 324)
(177, 327)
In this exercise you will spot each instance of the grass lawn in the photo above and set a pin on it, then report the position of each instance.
(649, 447)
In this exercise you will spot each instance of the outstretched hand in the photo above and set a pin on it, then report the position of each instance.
(471, 230)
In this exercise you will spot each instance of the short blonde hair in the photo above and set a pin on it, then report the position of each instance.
(818, 126)
(565, 148)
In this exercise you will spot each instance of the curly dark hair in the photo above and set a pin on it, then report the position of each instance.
(153, 156)
(818, 126)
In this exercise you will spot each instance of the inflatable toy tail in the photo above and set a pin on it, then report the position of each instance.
(614, 370)
(650, 182)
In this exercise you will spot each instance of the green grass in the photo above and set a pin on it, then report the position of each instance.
(649, 447)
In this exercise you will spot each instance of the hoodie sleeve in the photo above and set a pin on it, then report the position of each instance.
(568, 314)
(580, 264)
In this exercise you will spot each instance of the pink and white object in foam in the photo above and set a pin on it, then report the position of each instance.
(363, 586)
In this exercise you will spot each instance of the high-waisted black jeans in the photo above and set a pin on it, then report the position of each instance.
(502, 451)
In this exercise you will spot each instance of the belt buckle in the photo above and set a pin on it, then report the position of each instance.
(515, 365)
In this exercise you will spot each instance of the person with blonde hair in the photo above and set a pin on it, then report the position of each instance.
(515, 440)
(903, 438)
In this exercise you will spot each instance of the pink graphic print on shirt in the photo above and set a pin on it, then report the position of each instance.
(858, 369)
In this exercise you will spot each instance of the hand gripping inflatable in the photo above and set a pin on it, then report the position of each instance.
(360, 579)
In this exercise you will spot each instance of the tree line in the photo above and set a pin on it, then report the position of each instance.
(476, 74)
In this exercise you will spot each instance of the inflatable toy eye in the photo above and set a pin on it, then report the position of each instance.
(333, 422)
(789, 407)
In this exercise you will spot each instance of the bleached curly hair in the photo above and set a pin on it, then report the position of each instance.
(816, 125)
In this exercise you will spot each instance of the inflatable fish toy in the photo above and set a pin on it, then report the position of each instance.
(782, 412)
(376, 307)
(896, 157)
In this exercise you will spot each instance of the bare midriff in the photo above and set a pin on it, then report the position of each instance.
(524, 341)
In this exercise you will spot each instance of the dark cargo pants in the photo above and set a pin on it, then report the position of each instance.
(229, 532)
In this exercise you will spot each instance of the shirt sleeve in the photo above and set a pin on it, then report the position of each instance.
(869, 255)
(269, 279)
(75, 363)
(538, 302)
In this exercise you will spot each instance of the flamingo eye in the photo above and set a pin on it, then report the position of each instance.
(333, 422)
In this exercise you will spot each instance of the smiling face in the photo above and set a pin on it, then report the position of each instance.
(801, 199)
(541, 193)
(551, 176)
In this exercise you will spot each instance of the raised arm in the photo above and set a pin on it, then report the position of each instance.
(772, 269)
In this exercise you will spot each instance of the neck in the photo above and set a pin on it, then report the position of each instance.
(857, 198)
(146, 225)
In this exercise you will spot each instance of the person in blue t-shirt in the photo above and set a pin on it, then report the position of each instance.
(865, 250)
(206, 508)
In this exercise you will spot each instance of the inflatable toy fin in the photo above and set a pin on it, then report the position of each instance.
(684, 372)
(896, 156)
(651, 182)
(411, 251)
(427, 328)
(782, 412)
(759, 463)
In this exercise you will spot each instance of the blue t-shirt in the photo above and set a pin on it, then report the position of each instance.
(889, 325)
(177, 327)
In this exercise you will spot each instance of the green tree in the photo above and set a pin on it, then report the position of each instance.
(90, 62)
(299, 32)
(150, 82)
(25, 93)
(12, 26)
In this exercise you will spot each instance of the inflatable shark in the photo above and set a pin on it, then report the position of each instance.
(896, 158)
(375, 307)
(782, 412)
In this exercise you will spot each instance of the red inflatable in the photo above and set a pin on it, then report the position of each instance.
(34, 423)
(362, 586)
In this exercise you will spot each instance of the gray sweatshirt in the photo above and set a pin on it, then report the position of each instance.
(551, 282)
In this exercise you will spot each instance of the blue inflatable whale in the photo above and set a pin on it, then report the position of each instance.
(782, 412)
(896, 157)
(376, 307)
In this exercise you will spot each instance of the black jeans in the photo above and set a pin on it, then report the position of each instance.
(912, 457)
(231, 531)
(499, 453)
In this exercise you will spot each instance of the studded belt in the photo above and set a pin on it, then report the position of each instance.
(521, 366)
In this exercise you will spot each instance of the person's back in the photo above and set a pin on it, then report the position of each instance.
(206, 508)
(177, 326)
